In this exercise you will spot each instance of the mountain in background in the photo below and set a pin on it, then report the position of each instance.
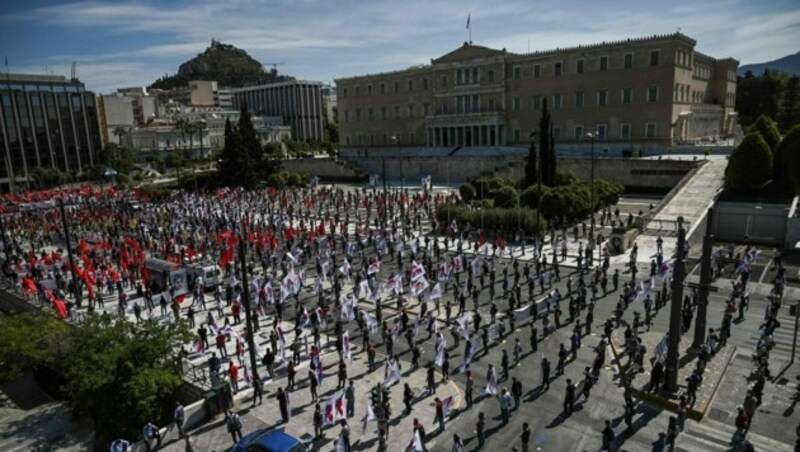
(229, 66)
(789, 64)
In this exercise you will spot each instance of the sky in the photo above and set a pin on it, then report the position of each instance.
(120, 43)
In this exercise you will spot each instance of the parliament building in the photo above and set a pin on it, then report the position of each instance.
(653, 91)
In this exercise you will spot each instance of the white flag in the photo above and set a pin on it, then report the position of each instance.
(436, 292)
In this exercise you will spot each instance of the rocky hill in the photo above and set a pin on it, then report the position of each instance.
(226, 64)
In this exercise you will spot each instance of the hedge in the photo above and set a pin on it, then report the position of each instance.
(492, 219)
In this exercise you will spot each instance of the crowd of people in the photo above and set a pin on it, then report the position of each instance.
(323, 261)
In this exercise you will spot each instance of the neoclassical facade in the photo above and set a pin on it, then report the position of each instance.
(656, 90)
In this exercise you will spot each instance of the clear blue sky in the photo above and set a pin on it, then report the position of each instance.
(129, 43)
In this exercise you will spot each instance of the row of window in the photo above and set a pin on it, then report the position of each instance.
(472, 75)
(559, 67)
(600, 132)
(602, 98)
(472, 104)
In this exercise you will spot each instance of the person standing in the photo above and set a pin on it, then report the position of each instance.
(608, 435)
(458, 445)
(683, 405)
(569, 398)
(179, 416)
(439, 415)
(480, 427)
(350, 395)
(258, 389)
(672, 432)
(469, 388)
(283, 404)
(317, 421)
(312, 384)
(233, 374)
(516, 391)
(525, 436)
(408, 397)
(504, 364)
(234, 425)
(344, 436)
(150, 432)
(505, 406)
(431, 380)
(545, 374)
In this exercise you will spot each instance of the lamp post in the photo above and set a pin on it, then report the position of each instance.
(591, 136)
(538, 180)
(396, 140)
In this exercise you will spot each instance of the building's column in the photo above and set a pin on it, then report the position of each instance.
(463, 135)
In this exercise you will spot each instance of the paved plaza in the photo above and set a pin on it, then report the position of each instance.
(551, 428)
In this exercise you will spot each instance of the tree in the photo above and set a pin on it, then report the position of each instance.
(505, 196)
(749, 165)
(27, 340)
(789, 153)
(789, 113)
(768, 129)
(531, 175)
(117, 157)
(119, 132)
(122, 374)
(546, 155)
(231, 160)
(467, 191)
(758, 95)
(173, 160)
(332, 132)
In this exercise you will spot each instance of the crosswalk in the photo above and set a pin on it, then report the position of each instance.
(711, 435)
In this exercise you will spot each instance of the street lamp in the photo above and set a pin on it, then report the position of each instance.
(396, 140)
(591, 136)
(538, 180)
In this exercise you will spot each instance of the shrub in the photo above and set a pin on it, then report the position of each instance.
(567, 178)
(496, 183)
(482, 189)
(786, 166)
(505, 196)
(530, 197)
(492, 219)
(467, 191)
(294, 180)
(768, 130)
(277, 180)
(749, 165)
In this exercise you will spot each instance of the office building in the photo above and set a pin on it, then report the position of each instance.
(653, 91)
(298, 102)
(45, 121)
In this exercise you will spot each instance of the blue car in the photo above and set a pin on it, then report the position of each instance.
(265, 440)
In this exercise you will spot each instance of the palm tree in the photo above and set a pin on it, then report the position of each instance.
(119, 132)
(191, 128)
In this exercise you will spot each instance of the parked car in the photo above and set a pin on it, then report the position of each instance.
(266, 440)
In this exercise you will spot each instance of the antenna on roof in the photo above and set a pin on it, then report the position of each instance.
(73, 75)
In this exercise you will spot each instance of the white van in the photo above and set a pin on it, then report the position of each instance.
(211, 274)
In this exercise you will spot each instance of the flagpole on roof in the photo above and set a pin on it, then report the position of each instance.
(469, 27)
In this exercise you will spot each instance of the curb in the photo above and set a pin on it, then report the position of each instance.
(696, 414)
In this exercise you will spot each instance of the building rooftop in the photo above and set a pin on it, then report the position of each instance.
(487, 51)
(34, 78)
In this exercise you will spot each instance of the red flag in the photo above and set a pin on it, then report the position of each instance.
(179, 299)
(60, 307)
(29, 286)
